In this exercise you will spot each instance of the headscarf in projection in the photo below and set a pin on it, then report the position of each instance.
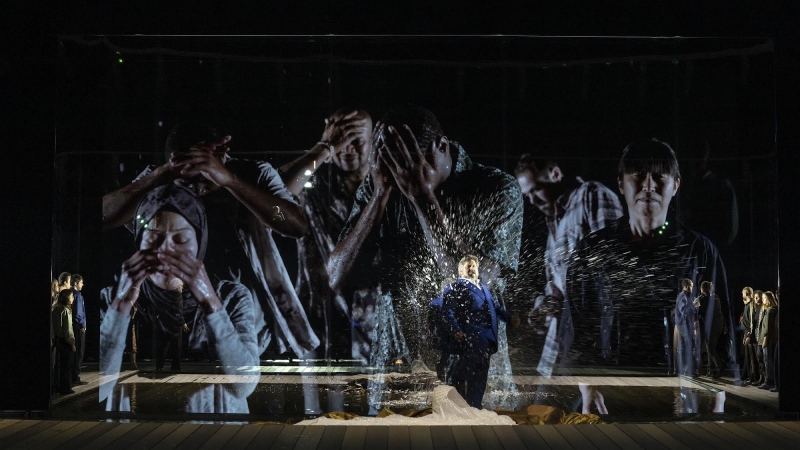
(165, 308)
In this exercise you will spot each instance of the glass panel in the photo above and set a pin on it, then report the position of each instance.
(228, 247)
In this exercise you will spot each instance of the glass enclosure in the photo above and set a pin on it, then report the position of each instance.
(260, 238)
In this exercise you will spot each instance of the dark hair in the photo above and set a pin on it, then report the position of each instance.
(63, 277)
(186, 134)
(76, 279)
(685, 283)
(533, 163)
(63, 295)
(706, 286)
(652, 156)
(423, 123)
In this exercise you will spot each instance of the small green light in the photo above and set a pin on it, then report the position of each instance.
(660, 232)
(141, 221)
(120, 60)
(666, 223)
(145, 225)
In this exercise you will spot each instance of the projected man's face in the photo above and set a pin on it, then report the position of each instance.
(351, 155)
(536, 186)
(648, 194)
(168, 231)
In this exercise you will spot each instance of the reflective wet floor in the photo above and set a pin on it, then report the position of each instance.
(289, 398)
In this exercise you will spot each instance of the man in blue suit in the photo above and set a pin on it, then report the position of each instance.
(471, 314)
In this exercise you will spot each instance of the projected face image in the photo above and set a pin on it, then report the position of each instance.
(351, 155)
(168, 231)
(535, 186)
(469, 269)
(648, 194)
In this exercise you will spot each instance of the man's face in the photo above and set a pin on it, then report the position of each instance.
(469, 269)
(648, 194)
(352, 154)
(746, 297)
(536, 186)
(79, 285)
(689, 287)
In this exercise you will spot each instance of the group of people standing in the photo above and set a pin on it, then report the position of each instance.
(759, 325)
(67, 332)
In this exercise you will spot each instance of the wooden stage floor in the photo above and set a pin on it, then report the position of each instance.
(47, 434)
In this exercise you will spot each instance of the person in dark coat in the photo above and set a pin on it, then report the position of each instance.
(712, 327)
(472, 315)
(686, 323)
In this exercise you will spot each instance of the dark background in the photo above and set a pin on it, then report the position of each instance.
(31, 74)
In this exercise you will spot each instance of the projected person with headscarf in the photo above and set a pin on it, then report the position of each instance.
(171, 234)
(246, 201)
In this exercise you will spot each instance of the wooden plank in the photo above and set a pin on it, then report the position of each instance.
(51, 432)
(243, 437)
(530, 437)
(553, 438)
(794, 426)
(332, 437)
(785, 432)
(509, 437)
(288, 437)
(682, 435)
(112, 435)
(33, 430)
(266, 436)
(663, 437)
(354, 436)
(19, 426)
(752, 431)
(221, 437)
(8, 422)
(619, 437)
(732, 440)
(710, 439)
(420, 437)
(132, 437)
(399, 438)
(59, 439)
(596, 437)
(639, 436)
(156, 436)
(199, 437)
(442, 437)
(310, 438)
(90, 435)
(575, 438)
(377, 437)
(486, 437)
(177, 436)
(464, 437)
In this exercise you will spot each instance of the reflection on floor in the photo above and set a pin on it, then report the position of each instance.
(282, 397)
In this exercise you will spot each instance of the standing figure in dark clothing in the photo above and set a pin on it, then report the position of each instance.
(746, 324)
(712, 323)
(423, 205)
(686, 323)
(64, 338)
(245, 202)
(472, 315)
(78, 328)
(768, 338)
(758, 307)
(442, 339)
(625, 278)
